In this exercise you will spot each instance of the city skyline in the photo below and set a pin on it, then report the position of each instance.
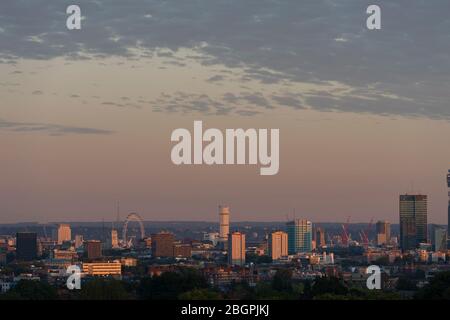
(221, 259)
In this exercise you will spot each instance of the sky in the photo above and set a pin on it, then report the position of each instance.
(86, 115)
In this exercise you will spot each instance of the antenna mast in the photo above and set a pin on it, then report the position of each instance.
(117, 216)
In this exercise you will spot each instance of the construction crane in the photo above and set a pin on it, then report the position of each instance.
(345, 235)
(364, 234)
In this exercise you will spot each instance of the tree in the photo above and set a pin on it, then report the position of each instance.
(437, 289)
(282, 280)
(240, 291)
(405, 284)
(307, 291)
(256, 259)
(103, 289)
(419, 274)
(265, 291)
(200, 294)
(359, 294)
(170, 285)
(31, 290)
(328, 285)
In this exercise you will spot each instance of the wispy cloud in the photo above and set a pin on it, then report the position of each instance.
(50, 129)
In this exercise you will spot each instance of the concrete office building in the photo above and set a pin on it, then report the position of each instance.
(278, 245)
(236, 249)
(299, 236)
(26, 246)
(413, 221)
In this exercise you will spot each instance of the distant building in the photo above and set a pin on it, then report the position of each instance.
(3, 258)
(299, 236)
(93, 249)
(413, 221)
(103, 268)
(182, 250)
(383, 232)
(78, 241)
(63, 233)
(224, 227)
(114, 239)
(69, 255)
(320, 238)
(147, 242)
(26, 246)
(448, 209)
(321, 259)
(439, 239)
(211, 236)
(278, 245)
(128, 262)
(236, 249)
(162, 244)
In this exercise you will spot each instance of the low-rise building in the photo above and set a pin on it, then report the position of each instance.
(70, 255)
(105, 268)
(128, 262)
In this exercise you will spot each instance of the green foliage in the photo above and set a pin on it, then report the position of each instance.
(359, 294)
(253, 258)
(328, 285)
(281, 288)
(170, 285)
(380, 295)
(17, 268)
(31, 290)
(103, 289)
(240, 291)
(307, 291)
(266, 291)
(331, 296)
(282, 280)
(200, 294)
(405, 284)
(437, 289)
(419, 274)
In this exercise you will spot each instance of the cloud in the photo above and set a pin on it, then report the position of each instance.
(273, 42)
(289, 100)
(113, 104)
(244, 103)
(50, 129)
(247, 113)
(9, 84)
(216, 78)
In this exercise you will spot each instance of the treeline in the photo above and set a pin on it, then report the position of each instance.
(189, 284)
